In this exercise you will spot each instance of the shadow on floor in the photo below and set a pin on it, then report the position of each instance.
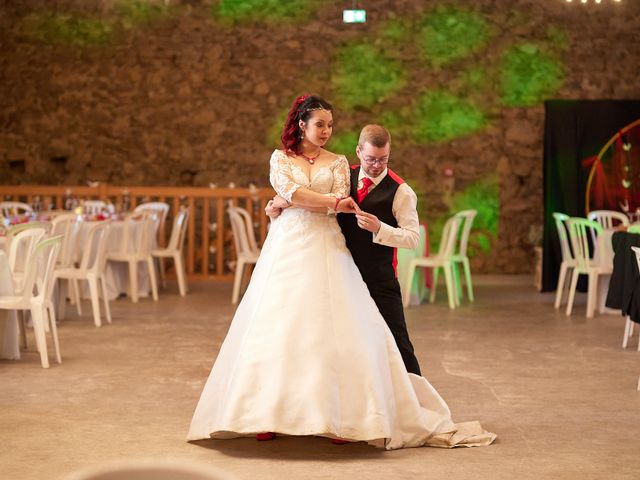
(291, 448)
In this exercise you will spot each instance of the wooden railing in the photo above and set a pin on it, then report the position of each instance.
(209, 247)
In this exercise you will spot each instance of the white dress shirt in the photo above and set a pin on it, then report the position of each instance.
(407, 233)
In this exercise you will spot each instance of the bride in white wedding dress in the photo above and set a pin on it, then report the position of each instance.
(307, 352)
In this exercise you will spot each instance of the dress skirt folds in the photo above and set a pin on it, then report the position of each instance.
(308, 353)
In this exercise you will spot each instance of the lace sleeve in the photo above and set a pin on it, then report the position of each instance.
(280, 176)
(341, 178)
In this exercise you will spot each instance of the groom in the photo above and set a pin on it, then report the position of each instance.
(389, 220)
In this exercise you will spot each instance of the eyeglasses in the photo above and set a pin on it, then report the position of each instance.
(379, 161)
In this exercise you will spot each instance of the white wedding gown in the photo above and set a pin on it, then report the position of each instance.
(308, 353)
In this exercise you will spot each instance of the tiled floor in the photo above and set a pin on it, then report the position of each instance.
(559, 392)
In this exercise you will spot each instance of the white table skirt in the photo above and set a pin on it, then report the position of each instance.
(9, 336)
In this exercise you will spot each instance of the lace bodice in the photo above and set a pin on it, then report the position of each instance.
(286, 177)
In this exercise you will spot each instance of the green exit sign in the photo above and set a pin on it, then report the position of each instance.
(354, 16)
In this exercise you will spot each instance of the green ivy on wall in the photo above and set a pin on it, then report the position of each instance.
(344, 143)
(529, 75)
(395, 31)
(73, 30)
(483, 196)
(77, 30)
(139, 12)
(476, 78)
(451, 34)
(264, 10)
(395, 122)
(557, 37)
(273, 135)
(364, 77)
(440, 116)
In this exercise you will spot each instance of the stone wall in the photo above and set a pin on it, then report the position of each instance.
(186, 100)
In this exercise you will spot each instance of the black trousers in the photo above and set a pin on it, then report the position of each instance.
(388, 298)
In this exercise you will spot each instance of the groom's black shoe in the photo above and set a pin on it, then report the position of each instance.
(263, 437)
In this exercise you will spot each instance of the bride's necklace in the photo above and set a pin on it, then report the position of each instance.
(309, 159)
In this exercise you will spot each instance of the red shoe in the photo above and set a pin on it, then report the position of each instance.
(339, 441)
(263, 437)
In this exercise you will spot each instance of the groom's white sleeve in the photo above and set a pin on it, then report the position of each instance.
(407, 233)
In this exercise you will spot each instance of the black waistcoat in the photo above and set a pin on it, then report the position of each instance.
(375, 262)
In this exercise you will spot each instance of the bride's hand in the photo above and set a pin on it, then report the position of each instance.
(279, 202)
(347, 205)
(271, 211)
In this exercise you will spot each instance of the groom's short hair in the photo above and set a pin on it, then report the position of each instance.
(376, 135)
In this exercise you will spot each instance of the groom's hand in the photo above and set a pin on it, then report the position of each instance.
(347, 205)
(368, 222)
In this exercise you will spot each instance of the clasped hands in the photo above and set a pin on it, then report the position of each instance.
(365, 220)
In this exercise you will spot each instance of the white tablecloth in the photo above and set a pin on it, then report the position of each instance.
(10, 347)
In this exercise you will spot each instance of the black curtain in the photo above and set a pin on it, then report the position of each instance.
(574, 130)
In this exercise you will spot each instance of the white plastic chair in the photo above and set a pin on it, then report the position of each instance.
(608, 219)
(12, 209)
(39, 275)
(585, 265)
(67, 225)
(91, 268)
(15, 229)
(568, 262)
(22, 242)
(247, 251)
(135, 246)
(441, 260)
(93, 207)
(161, 210)
(174, 250)
(460, 254)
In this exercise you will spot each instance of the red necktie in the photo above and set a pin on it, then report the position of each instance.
(366, 183)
